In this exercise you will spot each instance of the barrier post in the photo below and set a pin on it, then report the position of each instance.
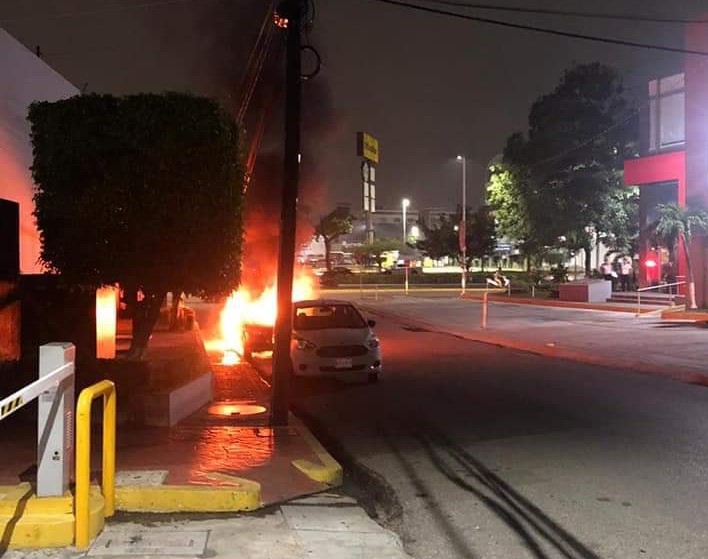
(484, 309)
(106, 389)
(55, 425)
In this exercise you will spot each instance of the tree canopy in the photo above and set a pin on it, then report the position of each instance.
(559, 184)
(442, 238)
(376, 250)
(143, 190)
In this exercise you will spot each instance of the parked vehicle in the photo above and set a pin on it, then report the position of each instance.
(330, 338)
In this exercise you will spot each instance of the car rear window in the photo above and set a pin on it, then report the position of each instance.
(319, 317)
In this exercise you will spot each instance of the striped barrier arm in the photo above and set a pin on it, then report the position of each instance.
(23, 396)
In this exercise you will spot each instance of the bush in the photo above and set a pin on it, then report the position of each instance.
(333, 279)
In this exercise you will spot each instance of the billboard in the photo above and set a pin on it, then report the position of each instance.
(367, 147)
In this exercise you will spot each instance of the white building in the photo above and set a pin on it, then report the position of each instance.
(25, 78)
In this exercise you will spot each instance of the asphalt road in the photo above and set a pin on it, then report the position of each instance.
(493, 453)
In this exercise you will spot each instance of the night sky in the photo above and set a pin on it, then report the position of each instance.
(427, 86)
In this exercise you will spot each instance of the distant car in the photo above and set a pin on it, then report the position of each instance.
(330, 278)
(332, 338)
(401, 269)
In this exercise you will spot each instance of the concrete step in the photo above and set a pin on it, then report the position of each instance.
(658, 299)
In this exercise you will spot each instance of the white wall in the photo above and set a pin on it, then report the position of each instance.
(24, 78)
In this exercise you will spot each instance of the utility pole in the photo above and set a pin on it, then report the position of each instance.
(282, 365)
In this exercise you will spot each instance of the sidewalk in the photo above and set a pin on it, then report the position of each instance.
(675, 349)
(224, 458)
(324, 526)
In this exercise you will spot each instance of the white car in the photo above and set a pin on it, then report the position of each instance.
(332, 338)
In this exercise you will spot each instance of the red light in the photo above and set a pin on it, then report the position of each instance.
(650, 263)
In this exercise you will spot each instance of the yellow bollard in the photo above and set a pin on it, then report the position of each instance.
(106, 389)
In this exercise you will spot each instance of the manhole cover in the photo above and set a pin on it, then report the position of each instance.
(137, 543)
(235, 408)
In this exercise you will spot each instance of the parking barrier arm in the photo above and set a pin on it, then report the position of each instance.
(24, 396)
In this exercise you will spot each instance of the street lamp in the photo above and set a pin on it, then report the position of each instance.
(404, 205)
(463, 221)
(415, 232)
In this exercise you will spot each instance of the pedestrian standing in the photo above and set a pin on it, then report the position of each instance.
(625, 273)
(608, 273)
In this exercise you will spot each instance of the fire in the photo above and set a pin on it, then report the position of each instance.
(244, 307)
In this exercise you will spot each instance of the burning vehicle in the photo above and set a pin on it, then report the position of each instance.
(256, 338)
(330, 337)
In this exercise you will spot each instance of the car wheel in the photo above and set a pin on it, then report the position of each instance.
(373, 378)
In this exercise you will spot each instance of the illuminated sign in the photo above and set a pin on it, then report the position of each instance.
(367, 147)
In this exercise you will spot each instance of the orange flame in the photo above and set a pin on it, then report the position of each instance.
(243, 307)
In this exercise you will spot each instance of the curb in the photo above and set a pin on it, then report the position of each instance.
(554, 351)
(244, 496)
(553, 303)
(329, 470)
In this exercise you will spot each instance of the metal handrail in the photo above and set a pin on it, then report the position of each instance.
(652, 287)
(106, 389)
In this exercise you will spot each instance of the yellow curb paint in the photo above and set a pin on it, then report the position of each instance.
(244, 496)
(328, 471)
(27, 521)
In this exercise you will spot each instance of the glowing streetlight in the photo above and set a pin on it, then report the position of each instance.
(404, 206)
(415, 231)
(463, 221)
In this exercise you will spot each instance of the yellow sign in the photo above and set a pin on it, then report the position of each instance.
(367, 147)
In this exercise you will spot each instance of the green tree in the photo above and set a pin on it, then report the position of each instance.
(621, 222)
(332, 226)
(143, 190)
(439, 240)
(480, 235)
(677, 226)
(569, 166)
(375, 251)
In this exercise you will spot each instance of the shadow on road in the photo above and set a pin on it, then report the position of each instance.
(529, 522)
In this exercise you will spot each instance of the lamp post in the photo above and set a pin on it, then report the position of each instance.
(404, 205)
(463, 222)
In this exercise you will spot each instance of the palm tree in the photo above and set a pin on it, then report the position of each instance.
(678, 225)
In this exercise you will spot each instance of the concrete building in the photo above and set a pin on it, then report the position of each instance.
(25, 78)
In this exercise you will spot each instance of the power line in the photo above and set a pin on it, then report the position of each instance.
(62, 15)
(548, 31)
(565, 13)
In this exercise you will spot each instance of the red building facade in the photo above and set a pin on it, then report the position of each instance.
(673, 166)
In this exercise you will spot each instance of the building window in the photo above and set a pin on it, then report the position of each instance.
(667, 113)
(397, 220)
